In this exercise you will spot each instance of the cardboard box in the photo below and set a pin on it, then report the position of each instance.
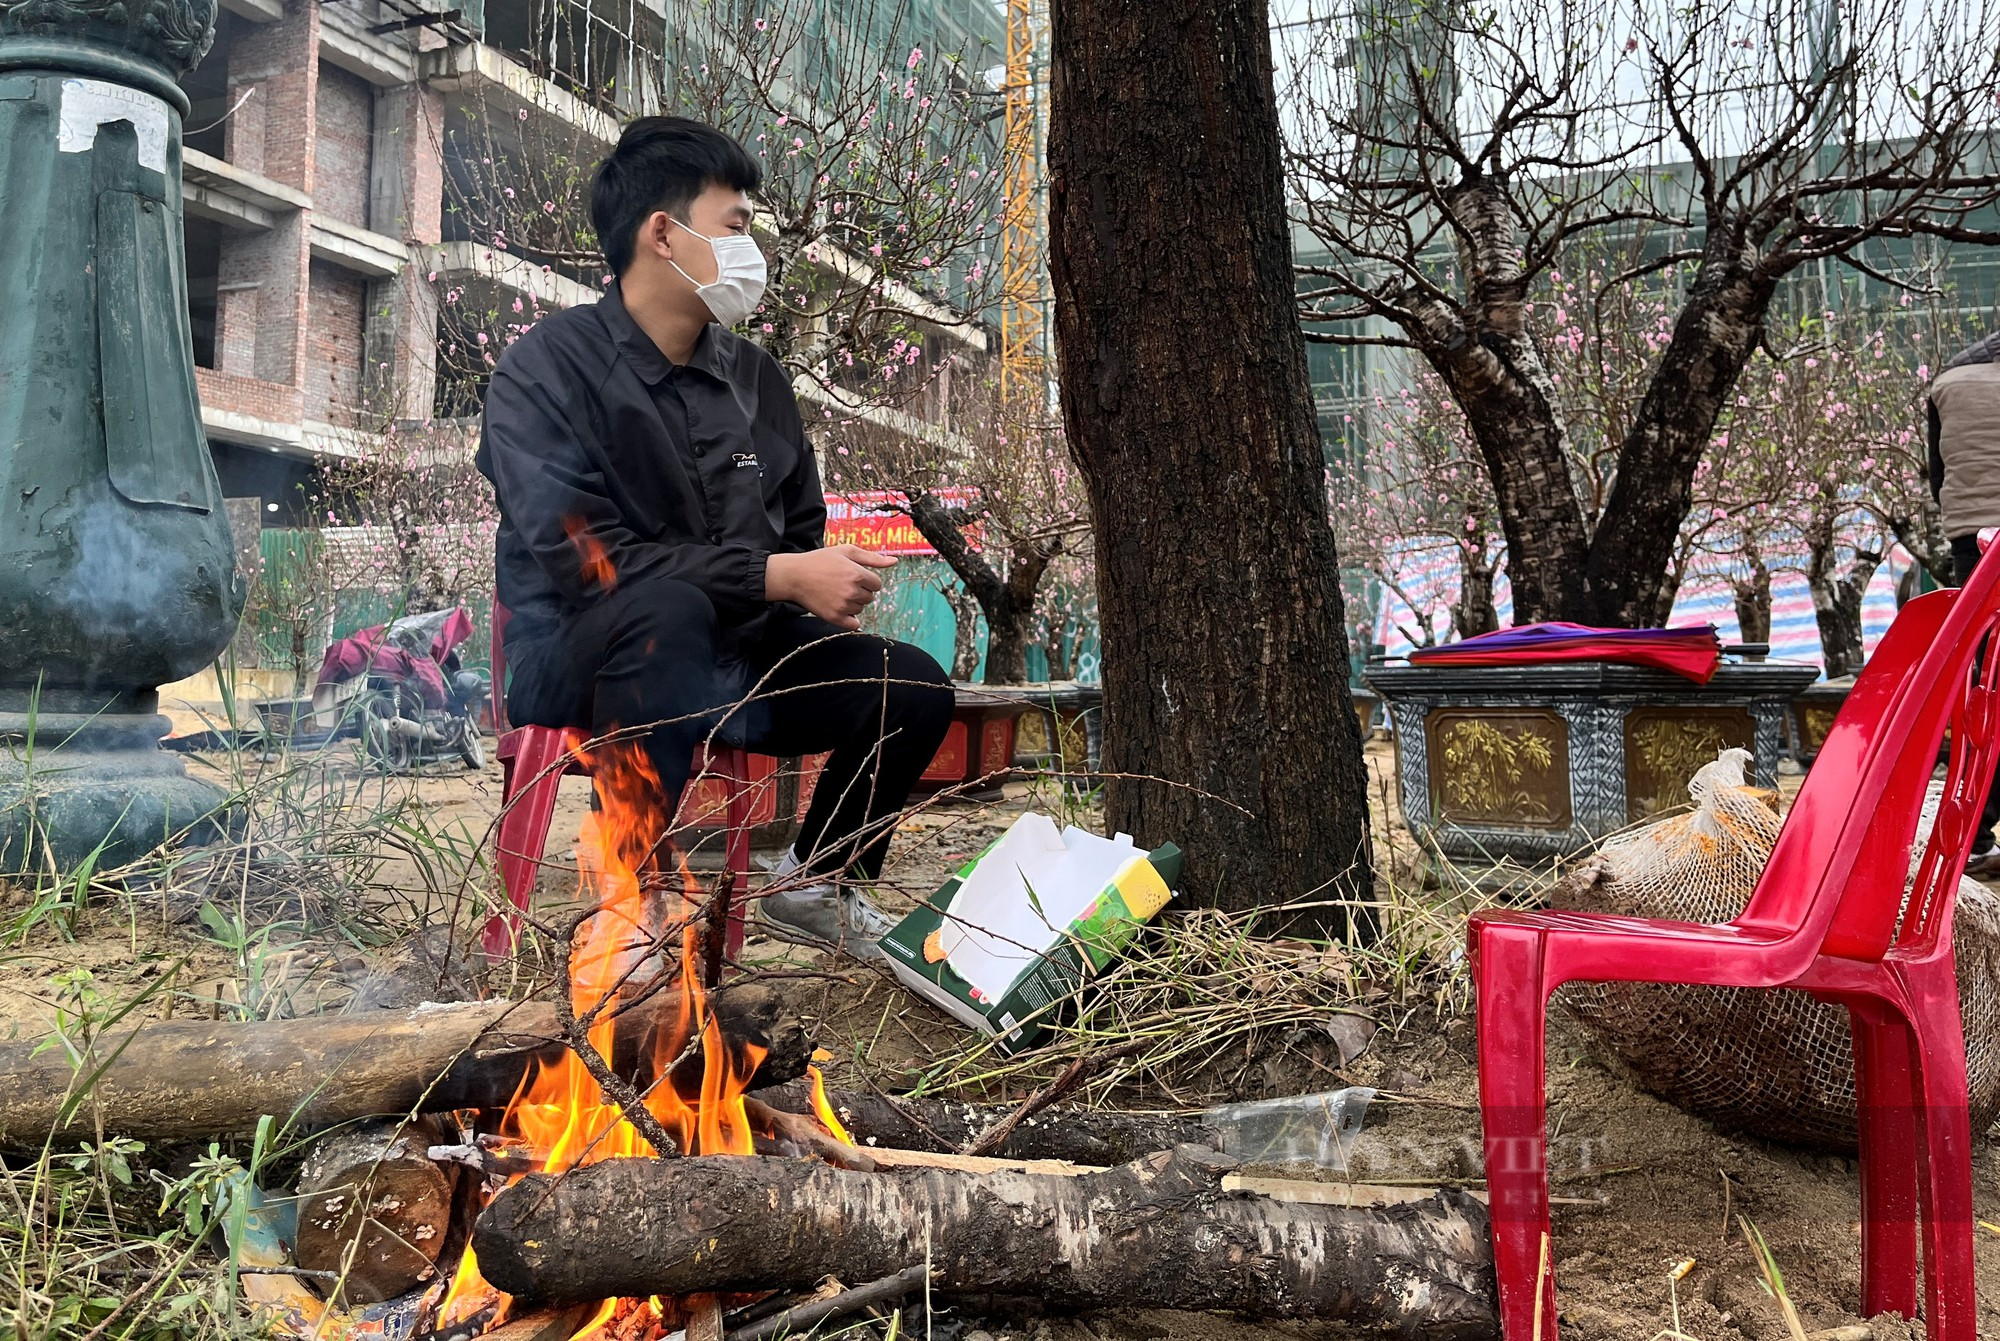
(1027, 921)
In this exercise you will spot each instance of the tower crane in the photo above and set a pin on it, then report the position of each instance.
(1022, 352)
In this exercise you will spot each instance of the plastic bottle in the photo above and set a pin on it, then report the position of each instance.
(1315, 1129)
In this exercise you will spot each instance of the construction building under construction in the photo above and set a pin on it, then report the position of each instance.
(326, 143)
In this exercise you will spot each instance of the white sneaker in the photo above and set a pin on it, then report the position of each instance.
(865, 919)
(828, 914)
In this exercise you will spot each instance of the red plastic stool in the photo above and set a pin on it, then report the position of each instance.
(533, 762)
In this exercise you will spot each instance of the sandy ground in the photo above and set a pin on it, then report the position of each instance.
(1646, 1186)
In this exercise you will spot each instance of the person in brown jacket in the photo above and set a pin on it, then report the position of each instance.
(1964, 408)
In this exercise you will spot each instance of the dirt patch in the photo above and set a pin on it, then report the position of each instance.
(1667, 1188)
(1646, 1187)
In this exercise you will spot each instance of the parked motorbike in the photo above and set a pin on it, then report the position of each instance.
(420, 705)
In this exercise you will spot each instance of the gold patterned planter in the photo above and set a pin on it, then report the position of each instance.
(1813, 712)
(1532, 762)
(1664, 746)
(1496, 767)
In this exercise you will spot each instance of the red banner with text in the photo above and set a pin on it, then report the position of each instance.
(873, 519)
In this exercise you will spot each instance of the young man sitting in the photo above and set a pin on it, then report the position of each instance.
(661, 527)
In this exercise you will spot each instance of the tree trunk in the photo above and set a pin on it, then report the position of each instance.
(1010, 623)
(1058, 649)
(1631, 551)
(1474, 612)
(964, 633)
(178, 1080)
(1615, 569)
(1186, 401)
(1923, 537)
(1527, 460)
(1161, 1233)
(1497, 376)
(1007, 602)
(1753, 600)
(1836, 599)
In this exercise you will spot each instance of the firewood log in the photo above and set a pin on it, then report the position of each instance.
(548, 1324)
(1161, 1232)
(373, 1209)
(185, 1079)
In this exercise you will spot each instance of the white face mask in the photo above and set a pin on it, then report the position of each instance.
(739, 276)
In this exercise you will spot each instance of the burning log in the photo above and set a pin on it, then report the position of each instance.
(806, 1134)
(1162, 1232)
(554, 1324)
(374, 1210)
(704, 1317)
(1078, 1135)
(184, 1079)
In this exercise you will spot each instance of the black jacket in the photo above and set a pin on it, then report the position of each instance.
(612, 464)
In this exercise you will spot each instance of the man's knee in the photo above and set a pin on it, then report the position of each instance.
(660, 660)
(920, 684)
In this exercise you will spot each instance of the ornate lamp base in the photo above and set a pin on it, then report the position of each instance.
(120, 574)
(97, 789)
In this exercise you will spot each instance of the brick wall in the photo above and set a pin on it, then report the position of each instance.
(405, 201)
(295, 336)
(334, 309)
(406, 196)
(342, 145)
(271, 131)
(274, 70)
(247, 396)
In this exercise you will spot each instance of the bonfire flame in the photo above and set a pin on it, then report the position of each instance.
(644, 899)
(823, 1108)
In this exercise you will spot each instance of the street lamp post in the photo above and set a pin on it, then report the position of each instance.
(117, 574)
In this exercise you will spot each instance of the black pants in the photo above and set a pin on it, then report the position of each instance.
(653, 653)
(1965, 558)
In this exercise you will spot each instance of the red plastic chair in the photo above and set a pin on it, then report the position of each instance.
(533, 762)
(1828, 917)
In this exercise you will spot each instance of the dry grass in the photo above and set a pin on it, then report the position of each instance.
(105, 1239)
(1205, 994)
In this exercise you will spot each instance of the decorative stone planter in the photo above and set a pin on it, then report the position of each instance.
(1063, 729)
(703, 818)
(978, 748)
(1533, 762)
(1813, 712)
(979, 745)
(1366, 701)
(779, 792)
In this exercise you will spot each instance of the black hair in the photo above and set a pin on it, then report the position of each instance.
(661, 163)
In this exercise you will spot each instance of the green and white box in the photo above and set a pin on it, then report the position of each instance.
(1023, 924)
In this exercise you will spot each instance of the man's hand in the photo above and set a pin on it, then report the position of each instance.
(836, 584)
